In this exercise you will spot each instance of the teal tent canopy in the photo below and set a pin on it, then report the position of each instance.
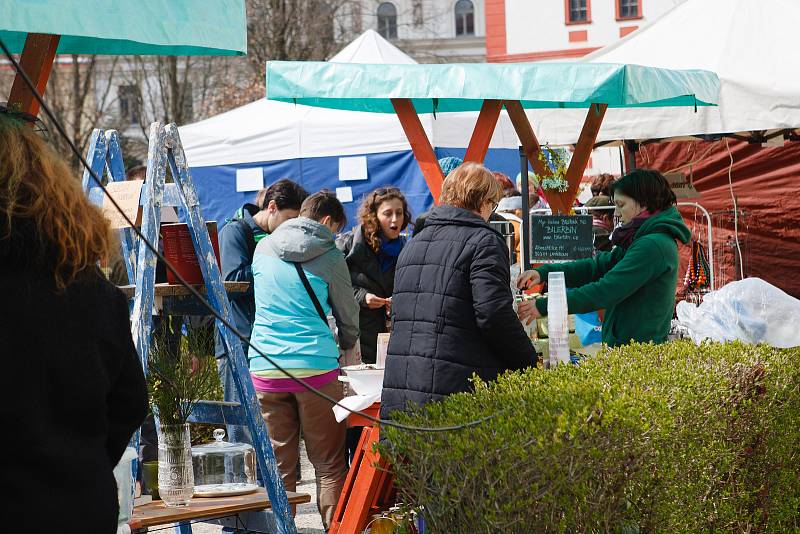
(464, 86)
(129, 27)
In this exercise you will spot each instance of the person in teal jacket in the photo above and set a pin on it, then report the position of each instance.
(297, 271)
(635, 282)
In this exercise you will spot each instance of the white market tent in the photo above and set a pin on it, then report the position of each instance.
(305, 143)
(749, 44)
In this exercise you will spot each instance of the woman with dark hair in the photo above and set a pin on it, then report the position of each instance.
(371, 250)
(73, 390)
(635, 282)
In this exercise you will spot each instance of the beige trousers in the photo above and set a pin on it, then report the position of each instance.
(287, 413)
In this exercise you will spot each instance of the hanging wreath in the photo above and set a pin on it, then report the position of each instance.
(555, 161)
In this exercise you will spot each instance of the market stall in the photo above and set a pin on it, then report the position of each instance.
(746, 147)
(411, 89)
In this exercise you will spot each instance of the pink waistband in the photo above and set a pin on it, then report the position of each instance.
(287, 385)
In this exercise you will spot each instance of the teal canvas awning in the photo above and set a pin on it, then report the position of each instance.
(129, 27)
(464, 86)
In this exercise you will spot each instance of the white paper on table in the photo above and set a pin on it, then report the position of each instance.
(344, 194)
(356, 402)
(249, 179)
(353, 168)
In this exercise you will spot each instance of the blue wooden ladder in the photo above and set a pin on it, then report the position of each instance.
(165, 151)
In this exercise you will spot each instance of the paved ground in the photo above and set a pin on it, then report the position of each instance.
(307, 520)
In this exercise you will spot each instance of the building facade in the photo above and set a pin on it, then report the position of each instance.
(537, 30)
(430, 31)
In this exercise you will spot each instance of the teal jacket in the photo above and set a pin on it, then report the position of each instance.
(287, 326)
(636, 287)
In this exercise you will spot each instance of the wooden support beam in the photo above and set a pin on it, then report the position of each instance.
(484, 128)
(583, 151)
(37, 62)
(532, 149)
(420, 145)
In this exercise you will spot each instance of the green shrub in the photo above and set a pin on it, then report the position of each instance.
(654, 438)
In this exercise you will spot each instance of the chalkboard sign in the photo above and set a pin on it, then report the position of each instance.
(561, 237)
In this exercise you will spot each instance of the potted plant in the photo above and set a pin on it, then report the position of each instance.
(181, 371)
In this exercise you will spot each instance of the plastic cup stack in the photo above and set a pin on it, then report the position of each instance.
(557, 322)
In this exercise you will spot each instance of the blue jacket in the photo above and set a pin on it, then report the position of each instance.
(236, 245)
(287, 326)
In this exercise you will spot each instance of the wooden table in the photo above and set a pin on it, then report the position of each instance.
(175, 299)
(155, 513)
(177, 290)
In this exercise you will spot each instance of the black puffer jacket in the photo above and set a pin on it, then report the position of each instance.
(452, 312)
(367, 277)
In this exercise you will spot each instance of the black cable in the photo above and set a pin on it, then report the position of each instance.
(194, 292)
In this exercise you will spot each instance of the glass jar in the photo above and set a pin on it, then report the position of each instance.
(223, 468)
(175, 480)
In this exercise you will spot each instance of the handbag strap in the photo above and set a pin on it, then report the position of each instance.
(310, 291)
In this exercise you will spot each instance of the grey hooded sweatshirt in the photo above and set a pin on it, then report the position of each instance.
(287, 325)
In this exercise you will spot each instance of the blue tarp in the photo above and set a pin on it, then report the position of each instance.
(216, 186)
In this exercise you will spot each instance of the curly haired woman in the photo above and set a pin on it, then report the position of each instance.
(371, 250)
(72, 387)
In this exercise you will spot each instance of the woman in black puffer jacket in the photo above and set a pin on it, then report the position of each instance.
(452, 312)
(371, 250)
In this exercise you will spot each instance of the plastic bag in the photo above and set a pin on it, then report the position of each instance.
(588, 328)
(749, 310)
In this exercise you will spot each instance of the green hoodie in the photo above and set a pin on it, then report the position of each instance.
(636, 286)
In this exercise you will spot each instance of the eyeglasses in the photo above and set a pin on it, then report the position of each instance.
(494, 206)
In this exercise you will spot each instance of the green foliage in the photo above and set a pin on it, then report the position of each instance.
(647, 438)
(181, 372)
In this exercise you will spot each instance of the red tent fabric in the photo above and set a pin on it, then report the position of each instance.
(766, 182)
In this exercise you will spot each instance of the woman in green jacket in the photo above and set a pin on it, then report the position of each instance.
(635, 282)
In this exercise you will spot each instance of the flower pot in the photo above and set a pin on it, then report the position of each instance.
(175, 474)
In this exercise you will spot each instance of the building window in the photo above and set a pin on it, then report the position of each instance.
(128, 96)
(465, 18)
(629, 9)
(577, 11)
(387, 20)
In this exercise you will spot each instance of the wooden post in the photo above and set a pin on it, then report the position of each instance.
(420, 145)
(484, 128)
(583, 151)
(532, 148)
(37, 62)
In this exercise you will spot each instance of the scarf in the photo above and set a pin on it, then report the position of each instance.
(622, 236)
(605, 225)
(389, 251)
